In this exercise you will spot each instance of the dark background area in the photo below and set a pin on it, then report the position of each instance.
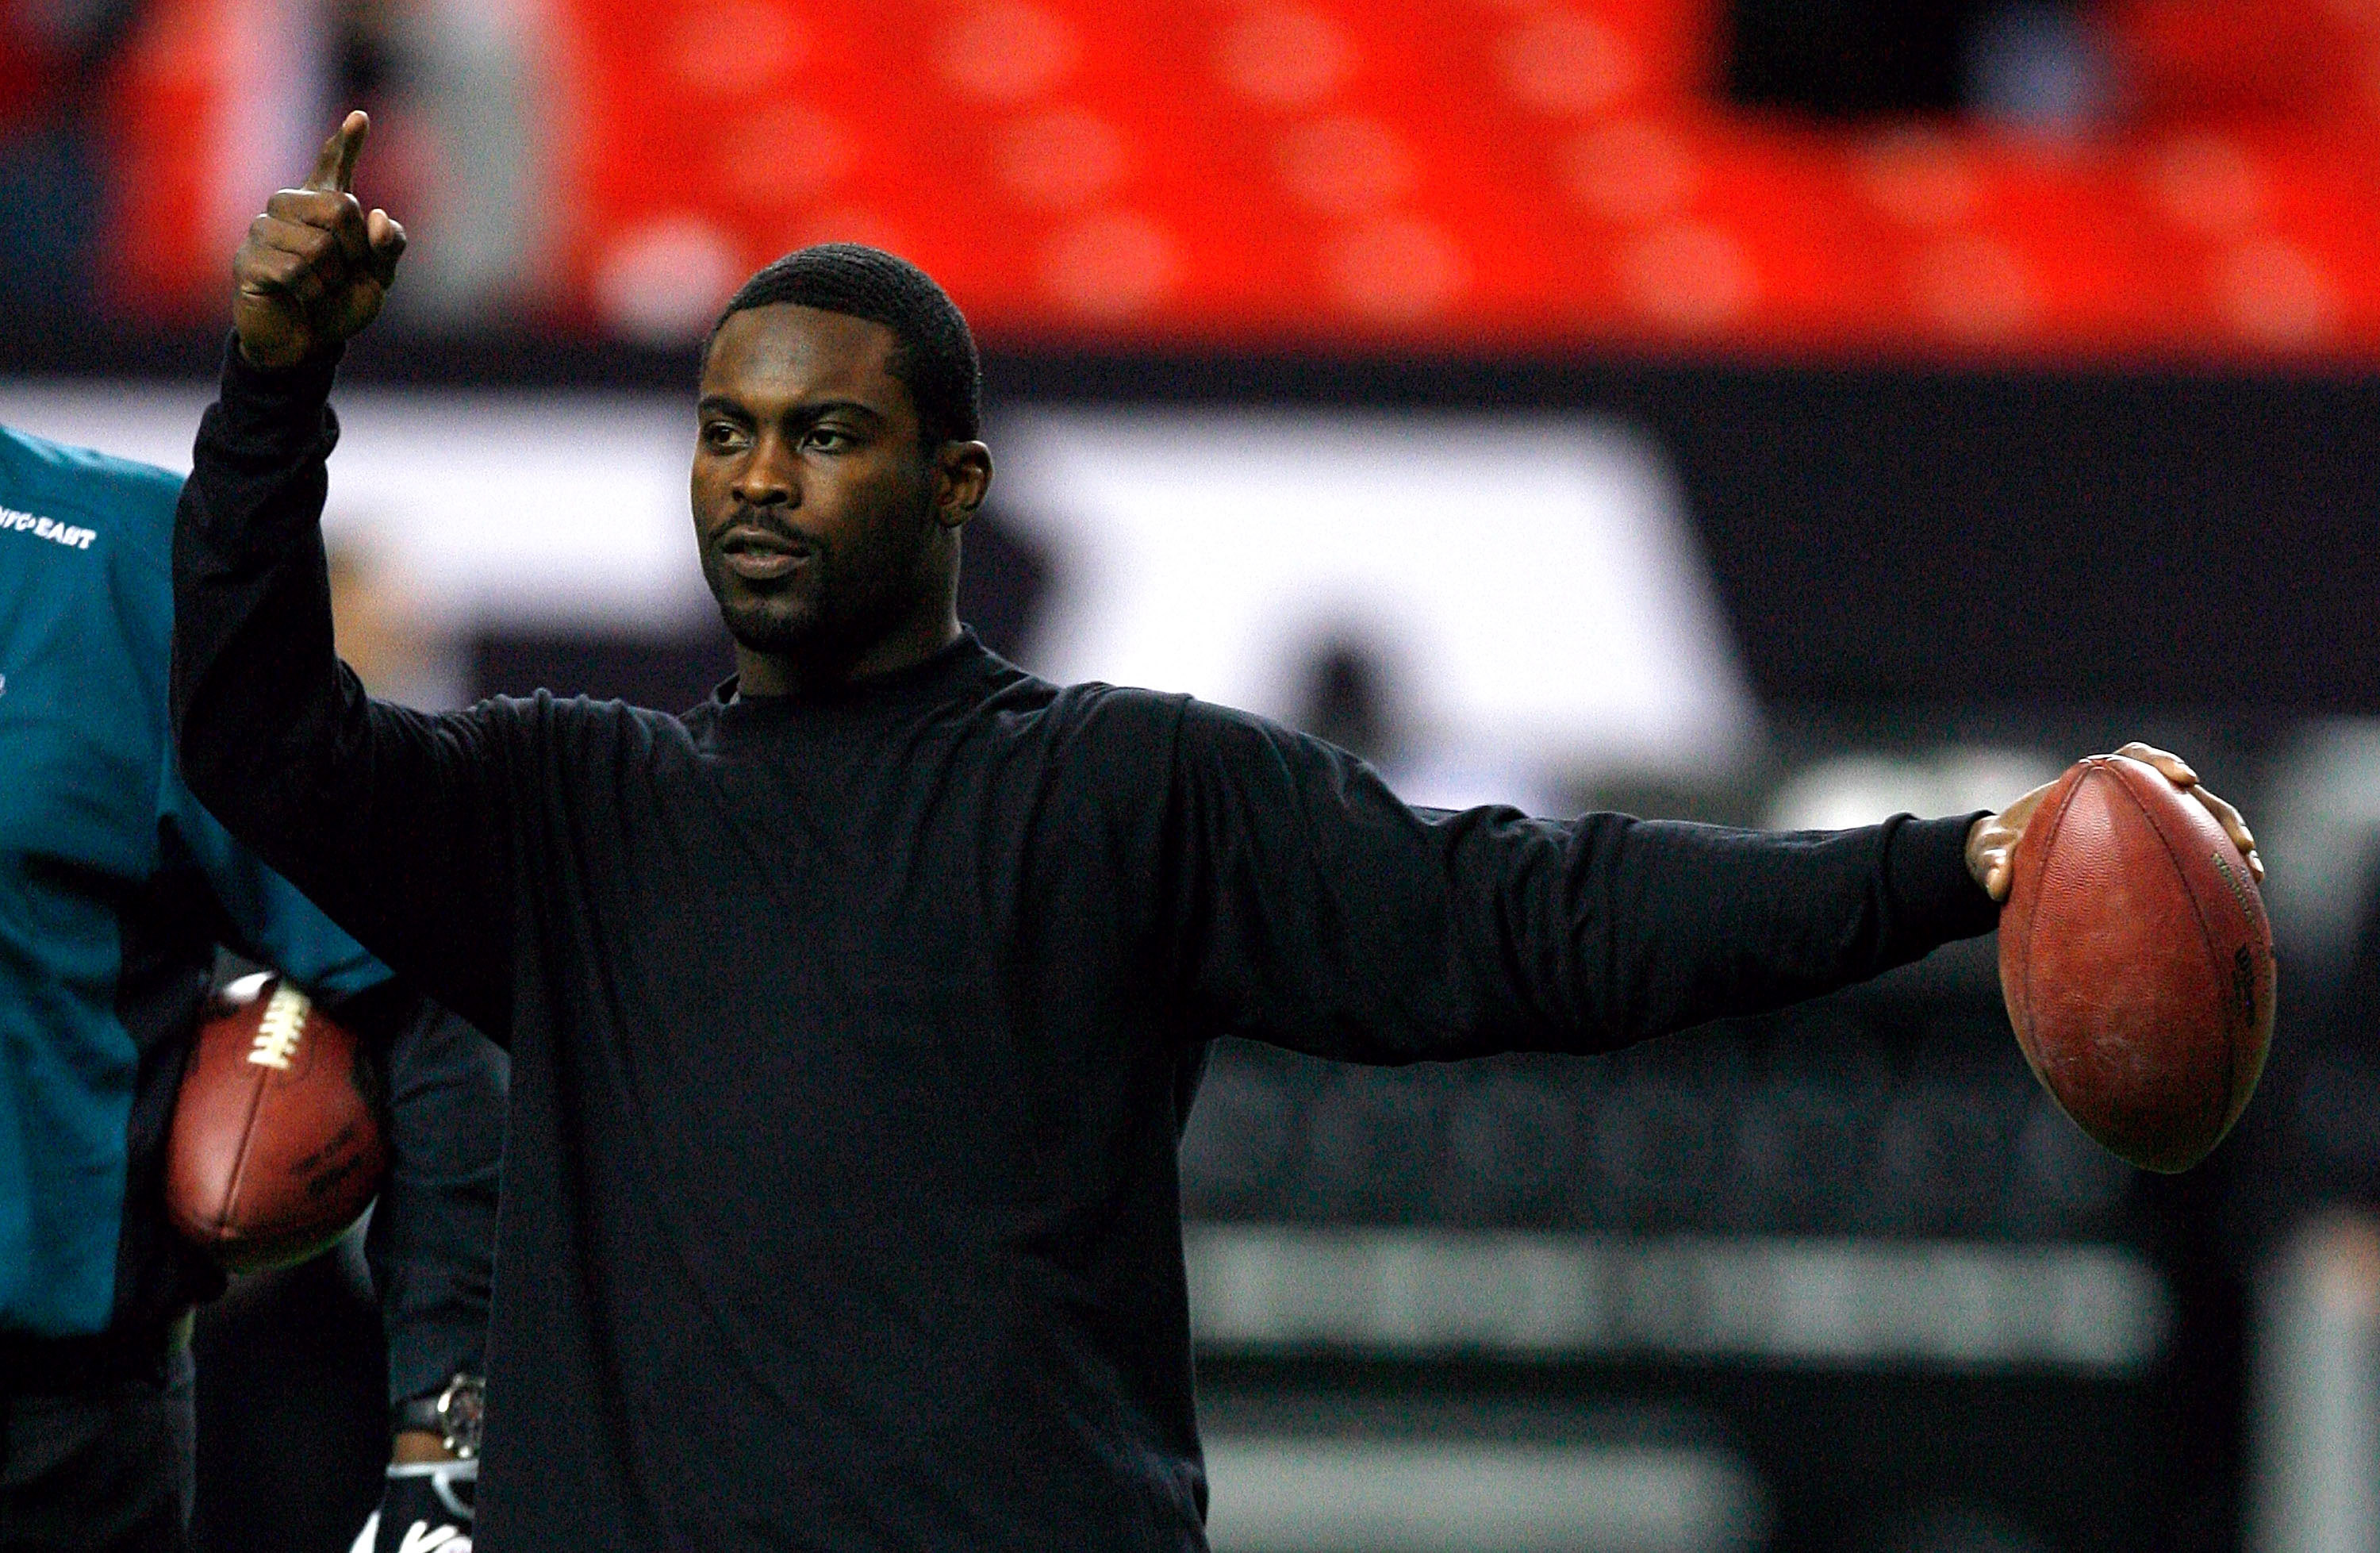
(1849, 60)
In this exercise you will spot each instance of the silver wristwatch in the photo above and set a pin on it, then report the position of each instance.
(456, 1415)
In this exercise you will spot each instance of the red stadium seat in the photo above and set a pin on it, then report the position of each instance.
(1455, 174)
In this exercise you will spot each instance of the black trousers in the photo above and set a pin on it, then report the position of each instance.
(105, 1466)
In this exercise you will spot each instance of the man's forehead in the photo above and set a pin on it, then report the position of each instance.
(791, 351)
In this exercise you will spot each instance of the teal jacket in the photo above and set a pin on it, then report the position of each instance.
(115, 888)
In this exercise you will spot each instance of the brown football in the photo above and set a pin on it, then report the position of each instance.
(2137, 963)
(276, 1146)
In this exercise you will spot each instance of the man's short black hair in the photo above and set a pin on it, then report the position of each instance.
(936, 360)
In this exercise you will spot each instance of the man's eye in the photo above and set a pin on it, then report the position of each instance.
(827, 440)
(720, 435)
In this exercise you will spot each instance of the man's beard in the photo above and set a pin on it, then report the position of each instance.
(778, 627)
(826, 616)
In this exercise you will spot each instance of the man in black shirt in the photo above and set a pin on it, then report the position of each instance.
(855, 1013)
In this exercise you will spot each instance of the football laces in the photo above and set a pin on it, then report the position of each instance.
(277, 1031)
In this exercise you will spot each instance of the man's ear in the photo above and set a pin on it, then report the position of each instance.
(962, 480)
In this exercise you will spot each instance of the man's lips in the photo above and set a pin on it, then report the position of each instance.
(758, 556)
(761, 565)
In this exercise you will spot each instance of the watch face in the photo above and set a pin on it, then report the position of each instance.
(461, 1409)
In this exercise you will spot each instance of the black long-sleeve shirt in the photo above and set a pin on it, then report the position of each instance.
(852, 1033)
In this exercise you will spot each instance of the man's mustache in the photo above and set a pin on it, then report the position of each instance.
(774, 525)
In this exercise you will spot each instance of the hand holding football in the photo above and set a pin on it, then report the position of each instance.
(277, 1146)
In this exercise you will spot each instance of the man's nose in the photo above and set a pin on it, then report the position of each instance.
(769, 478)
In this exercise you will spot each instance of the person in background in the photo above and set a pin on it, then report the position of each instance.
(50, 155)
(453, 86)
(115, 889)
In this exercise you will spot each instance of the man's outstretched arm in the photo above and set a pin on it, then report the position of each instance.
(390, 820)
(1315, 910)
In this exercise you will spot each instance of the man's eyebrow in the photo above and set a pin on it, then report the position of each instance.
(805, 414)
(815, 412)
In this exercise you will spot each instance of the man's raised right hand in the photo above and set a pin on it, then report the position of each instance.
(314, 269)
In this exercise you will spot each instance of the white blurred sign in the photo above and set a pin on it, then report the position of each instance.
(544, 510)
(1273, 1493)
(1282, 1288)
(1529, 583)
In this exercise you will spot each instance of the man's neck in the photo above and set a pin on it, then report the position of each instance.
(831, 667)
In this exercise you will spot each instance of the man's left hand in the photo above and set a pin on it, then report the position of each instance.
(1992, 841)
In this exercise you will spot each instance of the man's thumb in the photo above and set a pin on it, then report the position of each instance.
(386, 235)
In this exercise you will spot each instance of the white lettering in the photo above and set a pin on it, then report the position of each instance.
(67, 534)
(421, 1537)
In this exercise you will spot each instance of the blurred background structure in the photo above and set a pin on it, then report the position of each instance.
(1767, 411)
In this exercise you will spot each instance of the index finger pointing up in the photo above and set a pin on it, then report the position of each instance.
(335, 166)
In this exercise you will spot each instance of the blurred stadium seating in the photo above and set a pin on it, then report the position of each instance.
(1473, 174)
(1889, 1121)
